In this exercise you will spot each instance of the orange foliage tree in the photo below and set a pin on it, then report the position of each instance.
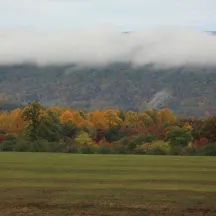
(12, 122)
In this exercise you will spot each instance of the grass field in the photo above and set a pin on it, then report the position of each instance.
(68, 184)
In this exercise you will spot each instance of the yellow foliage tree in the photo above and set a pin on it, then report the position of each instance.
(167, 115)
(12, 122)
(145, 120)
(154, 114)
(75, 118)
(112, 118)
(98, 119)
(131, 119)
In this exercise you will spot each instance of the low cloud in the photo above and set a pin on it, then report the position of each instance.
(104, 45)
(159, 98)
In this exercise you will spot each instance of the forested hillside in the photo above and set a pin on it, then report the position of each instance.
(186, 90)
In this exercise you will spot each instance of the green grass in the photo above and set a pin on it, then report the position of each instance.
(71, 184)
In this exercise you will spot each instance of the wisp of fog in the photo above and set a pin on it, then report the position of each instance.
(101, 46)
(159, 98)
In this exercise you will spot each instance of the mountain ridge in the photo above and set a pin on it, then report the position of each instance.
(187, 90)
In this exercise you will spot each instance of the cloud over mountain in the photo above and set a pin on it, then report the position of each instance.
(104, 45)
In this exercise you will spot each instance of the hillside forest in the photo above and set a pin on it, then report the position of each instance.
(35, 128)
(187, 91)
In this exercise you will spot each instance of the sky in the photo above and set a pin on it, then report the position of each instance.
(166, 33)
(127, 15)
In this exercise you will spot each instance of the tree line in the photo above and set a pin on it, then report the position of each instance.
(55, 129)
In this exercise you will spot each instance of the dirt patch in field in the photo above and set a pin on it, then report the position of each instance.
(85, 208)
(76, 202)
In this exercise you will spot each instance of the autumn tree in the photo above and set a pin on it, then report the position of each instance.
(145, 120)
(167, 116)
(112, 118)
(131, 119)
(2, 135)
(12, 122)
(209, 129)
(98, 119)
(155, 116)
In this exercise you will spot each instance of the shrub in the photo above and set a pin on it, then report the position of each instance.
(9, 144)
(104, 150)
(22, 145)
(88, 149)
(85, 144)
(140, 149)
(68, 146)
(192, 151)
(176, 150)
(210, 149)
(43, 146)
(156, 148)
(121, 146)
(147, 138)
(201, 142)
(51, 147)
(138, 140)
(3, 132)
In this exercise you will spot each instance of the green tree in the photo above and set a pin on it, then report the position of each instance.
(32, 115)
(41, 123)
(114, 134)
(179, 137)
(49, 128)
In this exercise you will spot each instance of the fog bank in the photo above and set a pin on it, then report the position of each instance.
(104, 45)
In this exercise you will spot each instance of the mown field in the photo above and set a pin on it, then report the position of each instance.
(68, 184)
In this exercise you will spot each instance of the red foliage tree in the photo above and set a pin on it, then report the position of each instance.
(2, 137)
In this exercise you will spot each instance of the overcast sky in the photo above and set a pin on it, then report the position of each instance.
(125, 14)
